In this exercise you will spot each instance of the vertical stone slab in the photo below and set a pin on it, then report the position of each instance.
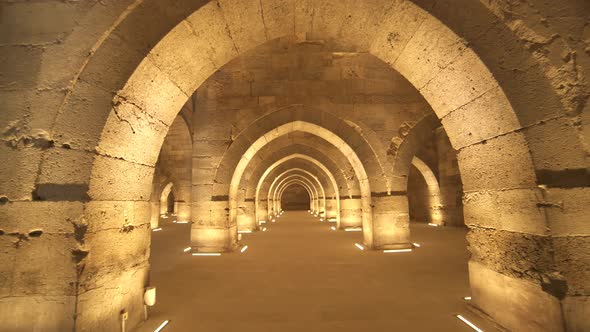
(350, 212)
(391, 222)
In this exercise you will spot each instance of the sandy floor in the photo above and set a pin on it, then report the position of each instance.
(300, 275)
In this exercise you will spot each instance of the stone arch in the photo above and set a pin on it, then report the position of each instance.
(312, 160)
(328, 136)
(164, 198)
(433, 189)
(320, 199)
(285, 188)
(412, 23)
(313, 206)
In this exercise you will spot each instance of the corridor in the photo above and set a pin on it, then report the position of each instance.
(300, 275)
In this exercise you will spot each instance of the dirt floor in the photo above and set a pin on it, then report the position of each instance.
(300, 275)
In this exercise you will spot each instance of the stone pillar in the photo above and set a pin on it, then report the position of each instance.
(163, 208)
(391, 222)
(246, 216)
(211, 230)
(262, 212)
(182, 210)
(331, 208)
(451, 187)
(154, 214)
(350, 212)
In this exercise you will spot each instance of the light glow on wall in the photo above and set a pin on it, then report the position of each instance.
(359, 246)
(206, 254)
(469, 323)
(244, 248)
(162, 326)
(387, 251)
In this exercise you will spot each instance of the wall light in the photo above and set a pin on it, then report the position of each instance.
(358, 229)
(162, 326)
(157, 229)
(387, 251)
(417, 245)
(469, 323)
(244, 248)
(149, 296)
(206, 254)
(433, 225)
(187, 249)
(359, 246)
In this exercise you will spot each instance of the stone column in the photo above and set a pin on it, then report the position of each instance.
(262, 212)
(246, 216)
(331, 208)
(182, 210)
(350, 212)
(391, 221)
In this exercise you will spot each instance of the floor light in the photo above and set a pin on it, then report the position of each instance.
(387, 251)
(333, 228)
(433, 225)
(359, 246)
(206, 254)
(353, 229)
(157, 229)
(187, 249)
(182, 222)
(162, 326)
(244, 248)
(467, 298)
(264, 229)
(469, 323)
(417, 245)
(247, 231)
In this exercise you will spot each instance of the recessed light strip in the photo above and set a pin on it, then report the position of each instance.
(469, 323)
(387, 251)
(162, 326)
